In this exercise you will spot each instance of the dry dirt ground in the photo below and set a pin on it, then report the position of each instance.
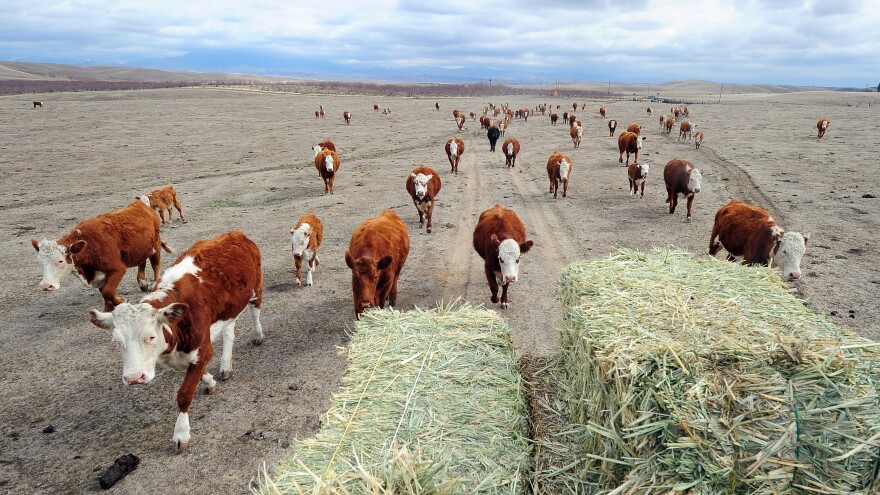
(242, 160)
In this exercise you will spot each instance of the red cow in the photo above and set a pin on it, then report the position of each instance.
(327, 163)
(511, 150)
(376, 255)
(574, 107)
(473, 116)
(612, 127)
(686, 131)
(163, 199)
(197, 300)
(485, 122)
(602, 112)
(347, 117)
(454, 150)
(698, 139)
(750, 232)
(559, 172)
(459, 121)
(670, 123)
(323, 145)
(638, 176)
(635, 128)
(650, 111)
(553, 118)
(100, 249)
(423, 185)
(500, 239)
(630, 143)
(305, 239)
(376, 107)
(662, 122)
(822, 126)
(683, 178)
(577, 133)
(564, 117)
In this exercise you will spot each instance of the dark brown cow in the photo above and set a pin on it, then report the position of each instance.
(378, 249)
(574, 107)
(500, 239)
(473, 116)
(638, 176)
(423, 186)
(630, 143)
(553, 118)
(822, 126)
(100, 249)
(454, 150)
(376, 107)
(612, 126)
(559, 172)
(38, 104)
(327, 163)
(564, 117)
(650, 111)
(485, 122)
(662, 122)
(683, 178)
(750, 232)
(305, 239)
(686, 131)
(347, 117)
(198, 298)
(163, 199)
(602, 112)
(510, 148)
(437, 106)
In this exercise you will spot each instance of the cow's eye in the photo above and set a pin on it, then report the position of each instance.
(517, 260)
(59, 262)
(308, 234)
(152, 338)
(784, 252)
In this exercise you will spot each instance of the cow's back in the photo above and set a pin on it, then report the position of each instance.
(385, 234)
(503, 223)
(676, 174)
(736, 223)
(317, 236)
(130, 234)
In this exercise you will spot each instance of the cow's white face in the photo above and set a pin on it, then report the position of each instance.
(145, 200)
(453, 148)
(639, 142)
(509, 253)
(564, 169)
(55, 261)
(299, 238)
(139, 330)
(420, 182)
(328, 163)
(824, 124)
(696, 178)
(789, 253)
(645, 168)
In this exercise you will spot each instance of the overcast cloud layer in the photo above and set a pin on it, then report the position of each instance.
(821, 42)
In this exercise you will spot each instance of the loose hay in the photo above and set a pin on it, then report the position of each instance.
(682, 373)
(432, 403)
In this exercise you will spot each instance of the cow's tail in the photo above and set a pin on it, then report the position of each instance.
(167, 248)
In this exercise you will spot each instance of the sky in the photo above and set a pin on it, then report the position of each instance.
(807, 42)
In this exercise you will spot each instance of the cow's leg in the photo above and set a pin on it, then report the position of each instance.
(185, 394)
(108, 290)
(254, 306)
(179, 209)
(226, 354)
(673, 204)
(392, 291)
(310, 268)
(643, 188)
(689, 202)
(429, 214)
(161, 212)
(493, 283)
(505, 302)
(565, 188)
(332, 179)
(297, 263)
(142, 276)
(156, 263)
(210, 384)
(714, 243)
(620, 159)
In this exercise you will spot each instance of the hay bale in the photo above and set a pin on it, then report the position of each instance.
(682, 373)
(432, 402)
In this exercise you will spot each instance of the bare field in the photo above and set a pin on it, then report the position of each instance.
(242, 160)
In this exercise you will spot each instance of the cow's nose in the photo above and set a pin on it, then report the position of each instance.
(697, 190)
(48, 287)
(134, 379)
(794, 275)
(510, 280)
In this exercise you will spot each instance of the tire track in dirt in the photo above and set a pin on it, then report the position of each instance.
(740, 184)
(458, 264)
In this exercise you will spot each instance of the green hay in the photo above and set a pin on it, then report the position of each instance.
(682, 373)
(432, 403)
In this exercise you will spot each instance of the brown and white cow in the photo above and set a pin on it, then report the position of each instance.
(327, 163)
(197, 300)
(502, 125)
(686, 131)
(454, 150)
(500, 239)
(423, 186)
(559, 172)
(473, 116)
(749, 233)
(822, 126)
(38, 104)
(576, 133)
(376, 107)
(650, 111)
(485, 122)
(347, 117)
(602, 112)
(496, 112)
(509, 113)
(698, 139)
(663, 122)
(685, 112)
(437, 106)
(164, 199)
(459, 121)
(681, 177)
(670, 123)
(100, 249)
(635, 128)
(320, 111)
(305, 239)
(510, 148)
(376, 255)
(676, 112)
(612, 127)
(638, 176)
(630, 143)
(553, 118)
(318, 148)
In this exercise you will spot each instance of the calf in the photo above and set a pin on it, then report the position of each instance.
(376, 254)
(493, 134)
(500, 239)
(662, 122)
(698, 139)
(683, 178)
(163, 199)
(670, 123)
(577, 133)
(423, 186)
(750, 232)
(38, 104)
(602, 112)
(630, 143)
(559, 172)
(686, 131)
(822, 126)
(197, 300)
(347, 117)
(305, 239)
(638, 175)
(459, 121)
(473, 116)
(100, 249)
(502, 125)
(454, 149)
(510, 148)
(327, 163)
(635, 128)
(612, 127)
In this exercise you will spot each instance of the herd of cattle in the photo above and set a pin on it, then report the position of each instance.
(199, 298)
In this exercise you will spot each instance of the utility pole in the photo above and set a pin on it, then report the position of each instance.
(609, 87)
(722, 92)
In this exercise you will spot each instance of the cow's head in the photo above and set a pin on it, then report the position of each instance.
(365, 273)
(694, 180)
(143, 332)
(509, 252)
(639, 140)
(328, 162)
(645, 167)
(299, 238)
(146, 199)
(564, 168)
(420, 182)
(789, 252)
(56, 260)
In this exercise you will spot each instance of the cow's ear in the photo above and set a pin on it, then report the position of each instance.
(174, 312)
(495, 241)
(806, 238)
(77, 246)
(413, 175)
(430, 177)
(36, 244)
(385, 262)
(101, 319)
(349, 260)
(525, 246)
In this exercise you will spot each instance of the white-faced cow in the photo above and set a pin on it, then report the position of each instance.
(602, 112)
(698, 139)
(454, 150)
(629, 143)
(376, 255)
(347, 117)
(305, 239)
(197, 300)
(100, 249)
(559, 172)
(638, 176)
(681, 177)
(327, 163)
(577, 133)
(822, 126)
(510, 148)
(423, 186)
(612, 127)
(686, 131)
(749, 233)
(670, 123)
(500, 239)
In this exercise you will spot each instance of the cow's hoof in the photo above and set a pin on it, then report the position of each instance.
(505, 305)
(494, 299)
(429, 230)
(298, 282)
(181, 445)
(308, 284)
(144, 285)
(257, 341)
(225, 375)
(211, 390)
(688, 219)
